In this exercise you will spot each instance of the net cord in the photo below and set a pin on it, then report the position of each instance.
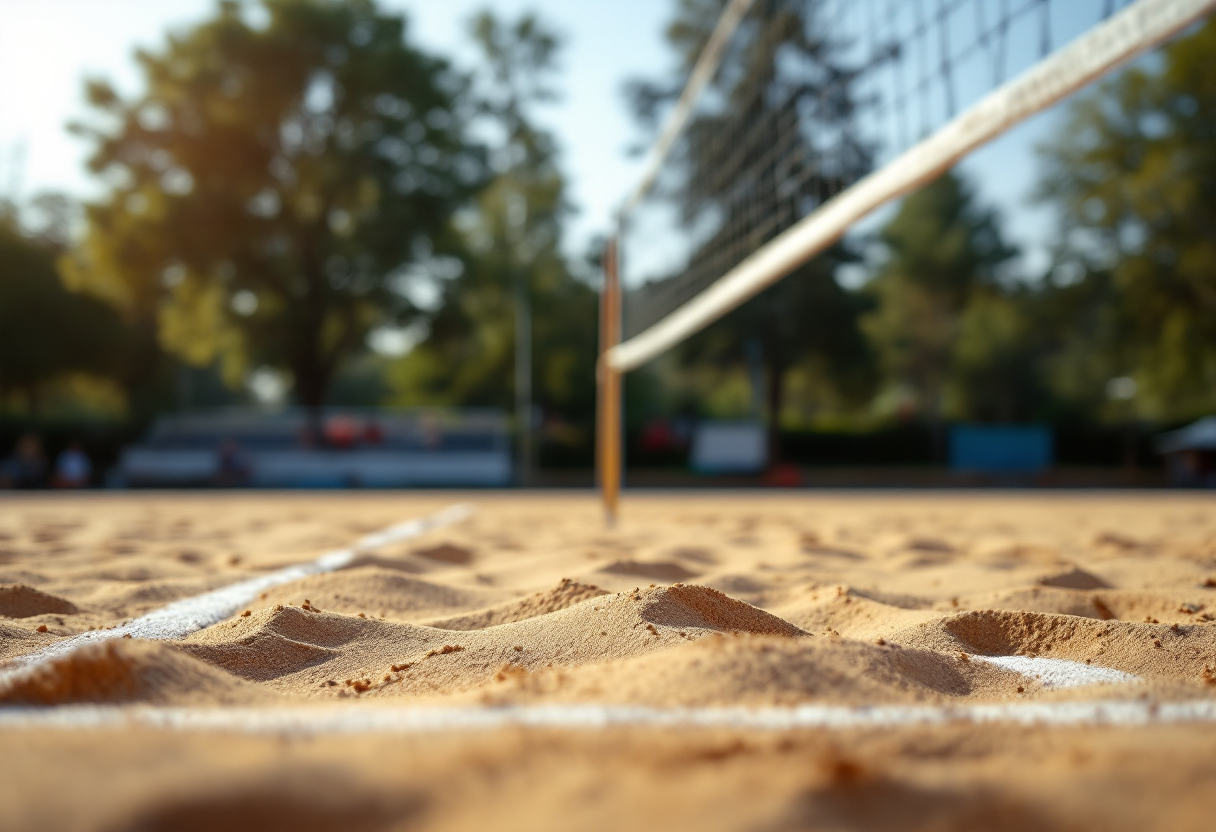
(702, 73)
(1132, 31)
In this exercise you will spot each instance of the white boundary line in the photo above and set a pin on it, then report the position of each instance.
(368, 719)
(1125, 35)
(1059, 673)
(180, 618)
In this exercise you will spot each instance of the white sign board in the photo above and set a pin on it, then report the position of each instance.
(729, 448)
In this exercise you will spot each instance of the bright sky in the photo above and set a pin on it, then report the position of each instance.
(47, 48)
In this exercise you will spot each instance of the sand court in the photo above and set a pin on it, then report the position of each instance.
(771, 623)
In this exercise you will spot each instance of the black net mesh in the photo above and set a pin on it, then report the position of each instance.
(810, 96)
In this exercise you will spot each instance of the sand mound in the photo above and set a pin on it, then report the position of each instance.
(767, 671)
(1146, 650)
(1073, 579)
(921, 552)
(273, 801)
(272, 643)
(126, 600)
(892, 599)
(855, 796)
(852, 614)
(700, 606)
(382, 592)
(17, 640)
(1114, 540)
(697, 554)
(409, 565)
(446, 553)
(566, 594)
(329, 654)
(929, 544)
(819, 550)
(1080, 603)
(657, 570)
(20, 601)
(125, 670)
(1164, 606)
(1153, 606)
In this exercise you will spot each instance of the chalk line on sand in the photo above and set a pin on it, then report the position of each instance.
(1059, 673)
(181, 618)
(303, 721)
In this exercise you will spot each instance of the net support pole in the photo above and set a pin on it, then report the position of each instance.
(608, 405)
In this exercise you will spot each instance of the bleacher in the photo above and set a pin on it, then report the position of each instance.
(350, 447)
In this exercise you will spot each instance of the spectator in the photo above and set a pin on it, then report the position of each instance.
(234, 469)
(73, 468)
(26, 468)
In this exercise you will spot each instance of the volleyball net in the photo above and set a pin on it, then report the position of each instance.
(800, 118)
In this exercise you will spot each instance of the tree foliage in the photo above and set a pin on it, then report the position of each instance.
(513, 235)
(272, 187)
(46, 331)
(1133, 172)
(943, 322)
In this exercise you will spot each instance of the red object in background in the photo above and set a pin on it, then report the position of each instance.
(783, 475)
(372, 434)
(657, 436)
(341, 432)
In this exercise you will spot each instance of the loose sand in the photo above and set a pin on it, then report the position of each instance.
(695, 601)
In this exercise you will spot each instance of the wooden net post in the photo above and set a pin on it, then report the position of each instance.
(608, 410)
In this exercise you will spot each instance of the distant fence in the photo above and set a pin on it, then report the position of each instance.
(904, 446)
(915, 445)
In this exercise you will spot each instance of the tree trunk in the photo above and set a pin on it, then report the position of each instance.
(1129, 447)
(310, 386)
(311, 381)
(776, 399)
(308, 365)
(937, 431)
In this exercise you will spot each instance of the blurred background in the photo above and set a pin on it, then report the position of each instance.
(326, 243)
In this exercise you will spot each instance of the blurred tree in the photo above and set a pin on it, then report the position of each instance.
(513, 234)
(276, 189)
(996, 366)
(807, 321)
(1133, 173)
(46, 331)
(940, 305)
